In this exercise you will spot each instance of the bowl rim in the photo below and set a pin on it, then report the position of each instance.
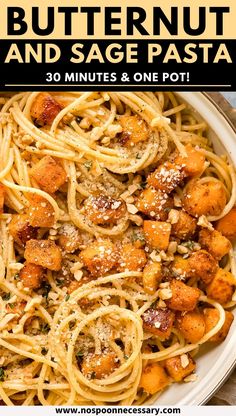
(208, 386)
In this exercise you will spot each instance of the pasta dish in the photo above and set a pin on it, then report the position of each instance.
(117, 222)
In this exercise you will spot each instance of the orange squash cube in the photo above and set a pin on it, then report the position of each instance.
(20, 229)
(177, 370)
(222, 287)
(44, 253)
(153, 378)
(44, 109)
(211, 318)
(40, 212)
(31, 275)
(184, 297)
(49, 174)
(157, 234)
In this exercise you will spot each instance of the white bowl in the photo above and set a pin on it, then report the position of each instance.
(214, 363)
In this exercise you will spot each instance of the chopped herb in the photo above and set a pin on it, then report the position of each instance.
(12, 305)
(71, 324)
(137, 236)
(67, 297)
(2, 374)
(167, 209)
(88, 164)
(60, 282)
(189, 244)
(45, 329)
(16, 276)
(93, 375)
(126, 357)
(6, 296)
(138, 156)
(44, 351)
(143, 185)
(185, 256)
(79, 354)
(46, 289)
(78, 119)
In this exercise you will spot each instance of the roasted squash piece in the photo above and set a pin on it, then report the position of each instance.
(227, 225)
(44, 253)
(208, 198)
(203, 265)
(49, 174)
(40, 212)
(100, 257)
(179, 368)
(180, 268)
(69, 238)
(99, 366)
(184, 297)
(222, 287)
(135, 130)
(157, 234)
(211, 318)
(131, 258)
(193, 164)
(31, 275)
(184, 227)
(152, 275)
(192, 326)
(153, 378)
(158, 321)
(155, 204)
(103, 209)
(44, 109)
(215, 243)
(20, 229)
(166, 177)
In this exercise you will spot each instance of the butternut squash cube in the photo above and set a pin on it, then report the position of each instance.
(222, 287)
(49, 174)
(31, 275)
(157, 234)
(131, 258)
(40, 212)
(152, 276)
(192, 326)
(203, 266)
(166, 177)
(44, 109)
(20, 229)
(227, 225)
(177, 369)
(135, 130)
(211, 318)
(100, 257)
(184, 297)
(99, 366)
(215, 243)
(158, 321)
(44, 253)
(193, 164)
(153, 378)
(154, 204)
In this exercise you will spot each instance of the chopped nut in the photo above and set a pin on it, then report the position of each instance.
(182, 249)
(203, 222)
(173, 216)
(165, 294)
(78, 275)
(184, 360)
(172, 247)
(132, 209)
(191, 378)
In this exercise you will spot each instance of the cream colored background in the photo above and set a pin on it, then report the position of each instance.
(80, 19)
